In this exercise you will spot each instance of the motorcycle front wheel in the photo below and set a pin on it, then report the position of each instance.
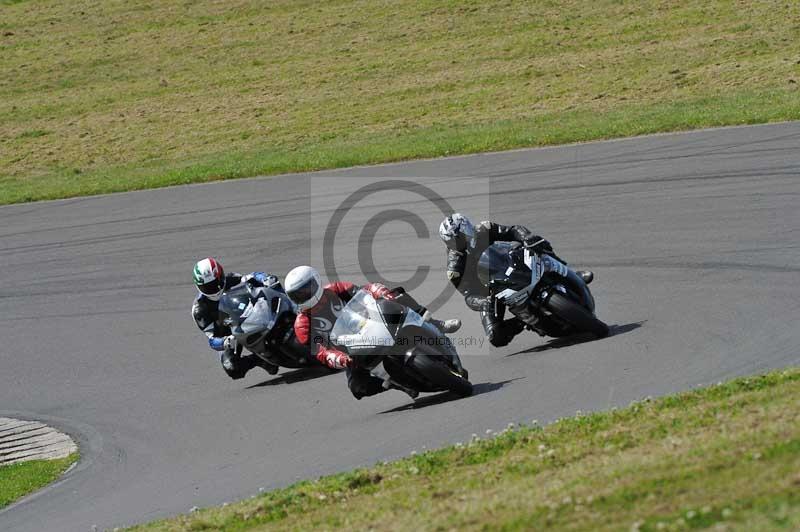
(576, 315)
(437, 372)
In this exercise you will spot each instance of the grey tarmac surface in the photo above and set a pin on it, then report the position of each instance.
(694, 238)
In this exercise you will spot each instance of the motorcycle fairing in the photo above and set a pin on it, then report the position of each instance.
(366, 323)
(360, 325)
(497, 266)
(252, 313)
(500, 267)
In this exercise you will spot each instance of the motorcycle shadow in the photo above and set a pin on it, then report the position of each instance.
(556, 343)
(446, 397)
(297, 375)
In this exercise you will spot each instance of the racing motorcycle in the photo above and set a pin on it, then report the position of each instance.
(414, 353)
(261, 319)
(539, 289)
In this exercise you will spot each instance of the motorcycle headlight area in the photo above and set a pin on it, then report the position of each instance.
(354, 323)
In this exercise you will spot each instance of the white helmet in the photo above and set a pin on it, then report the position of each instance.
(303, 286)
(457, 232)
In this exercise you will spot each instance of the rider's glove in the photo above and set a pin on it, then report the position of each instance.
(538, 244)
(379, 291)
(216, 343)
(335, 359)
(261, 278)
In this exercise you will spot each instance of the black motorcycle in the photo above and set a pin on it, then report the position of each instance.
(261, 318)
(414, 353)
(540, 290)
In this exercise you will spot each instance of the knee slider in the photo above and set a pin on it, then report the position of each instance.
(358, 391)
(496, 336)
(235, 373)
(232, 369)
(499, 340)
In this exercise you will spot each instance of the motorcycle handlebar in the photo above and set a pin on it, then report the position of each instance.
(534, 244)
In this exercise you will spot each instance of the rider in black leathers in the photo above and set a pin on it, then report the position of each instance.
(465, 244)
(211, 282)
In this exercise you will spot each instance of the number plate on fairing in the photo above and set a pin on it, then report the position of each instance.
(513, 298)
(536, 265)
(539, 265)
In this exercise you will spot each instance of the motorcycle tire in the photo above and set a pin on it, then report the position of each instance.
(576, 315)
(440, 374)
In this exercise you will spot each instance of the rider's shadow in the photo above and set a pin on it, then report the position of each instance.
(297, 375)
(556, 343)
(446, 397)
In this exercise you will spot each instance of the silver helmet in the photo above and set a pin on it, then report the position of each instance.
(457, 232)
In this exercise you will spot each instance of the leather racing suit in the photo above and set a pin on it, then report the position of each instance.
(462, 271)
(205, 312)
(312, 327)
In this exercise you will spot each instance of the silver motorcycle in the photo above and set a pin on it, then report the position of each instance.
(414, 353)
(261, 319)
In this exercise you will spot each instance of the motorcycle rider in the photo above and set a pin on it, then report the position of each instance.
(465, 244)
(319, 307)
(211, 282)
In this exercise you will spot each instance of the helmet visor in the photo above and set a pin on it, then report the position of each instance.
(304, 292)
(212, 288)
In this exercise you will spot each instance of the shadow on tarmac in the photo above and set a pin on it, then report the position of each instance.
(556, 343)
(614, 330)
(446, 397)
(297, 375)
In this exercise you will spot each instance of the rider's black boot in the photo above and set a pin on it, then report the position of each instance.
(586, 275)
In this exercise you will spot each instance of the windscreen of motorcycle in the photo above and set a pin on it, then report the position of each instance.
(234, 302)
(499, 267)
(267, 306)
(257, 317)
(360, 326)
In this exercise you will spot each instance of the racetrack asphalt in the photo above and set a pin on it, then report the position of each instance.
(694, 239)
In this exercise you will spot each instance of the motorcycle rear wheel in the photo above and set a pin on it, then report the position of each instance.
(576, 315)
(440, 374)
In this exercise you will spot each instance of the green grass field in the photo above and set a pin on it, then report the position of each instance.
(129, 94)
(725, 457)
(18, 480)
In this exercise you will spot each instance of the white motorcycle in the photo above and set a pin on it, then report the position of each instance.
(414, 353)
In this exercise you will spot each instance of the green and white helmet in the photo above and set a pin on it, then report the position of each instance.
(209, 278)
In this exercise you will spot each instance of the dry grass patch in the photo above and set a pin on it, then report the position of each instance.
(121, 94)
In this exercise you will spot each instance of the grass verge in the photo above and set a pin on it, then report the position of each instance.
(20, 479)
(121, 95)
(727, 456)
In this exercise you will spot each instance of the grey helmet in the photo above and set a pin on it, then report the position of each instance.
(457, 232)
